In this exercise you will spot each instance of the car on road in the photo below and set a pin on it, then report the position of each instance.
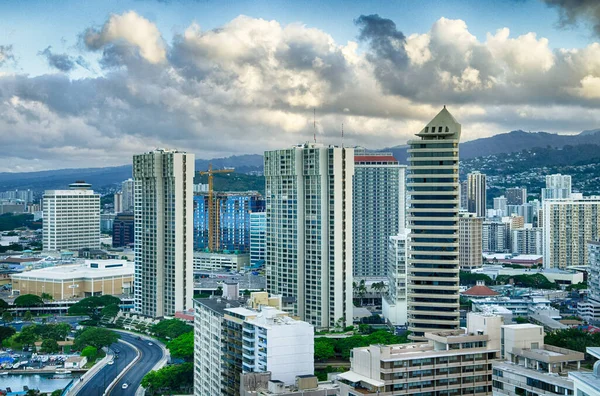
(150, 344)
(111, 362)
(124, 386)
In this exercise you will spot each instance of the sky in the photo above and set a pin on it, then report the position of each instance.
(89, 84)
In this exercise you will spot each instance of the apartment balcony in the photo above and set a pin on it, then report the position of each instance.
(248, 339)
(433, 304)
(249, 330)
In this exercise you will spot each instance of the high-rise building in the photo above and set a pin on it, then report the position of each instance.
(516, 196)
(590, 309)
(379, 207)
(464, 197)
(258, 238)
(309, 230)
(232, 228)
(568, 225)
(495, 237)
(476, 193)
(395, 302)
(500, 204)
(127, 195)
(118, 202)
(163, 232)
(527, 240)
(71, 218)
(123, 230)
(433, 266)
(233, 338)
(470, 253)
(557, 187)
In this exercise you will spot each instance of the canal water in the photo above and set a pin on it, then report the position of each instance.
(43, 382)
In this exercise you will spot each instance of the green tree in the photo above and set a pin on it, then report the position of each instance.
(175, 378)
(171, 328)
(27, 336)
(92, 306)
(46, 296)
(3, 305)
(57, 392)
(182, 346)
(470, 279)
(29, 300)
(110, 310)
(28, 317)
(96, 337)
(323, 349)
(6, 332)
(90, 353)
(521, 320)
(7, 317)
(50, 346)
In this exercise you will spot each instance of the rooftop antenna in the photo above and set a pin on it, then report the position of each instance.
(315, 125)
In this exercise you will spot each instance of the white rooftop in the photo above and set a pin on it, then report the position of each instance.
(106, 268)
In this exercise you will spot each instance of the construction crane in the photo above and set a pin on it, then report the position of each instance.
(213, 209)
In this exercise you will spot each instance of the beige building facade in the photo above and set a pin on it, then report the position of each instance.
(470, 253)
(94, 278)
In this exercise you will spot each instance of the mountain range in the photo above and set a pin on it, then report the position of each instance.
(102, 177)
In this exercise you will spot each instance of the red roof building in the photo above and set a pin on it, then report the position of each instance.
(480, 290)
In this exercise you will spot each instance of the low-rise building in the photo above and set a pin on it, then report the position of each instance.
(260, 384)
(75, 362)
(562, 277)
(93, 278)
(588, 383)
(530, 366)
(206, 261)
(518, 306)
(456, 362)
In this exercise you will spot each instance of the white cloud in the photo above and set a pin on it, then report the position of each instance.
(252, 84)
(132, 29)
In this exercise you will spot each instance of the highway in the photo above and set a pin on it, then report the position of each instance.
(150, 355)
(97, 384)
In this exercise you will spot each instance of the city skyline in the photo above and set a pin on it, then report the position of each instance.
(128, 77)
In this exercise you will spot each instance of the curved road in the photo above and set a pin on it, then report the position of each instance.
(150, 355)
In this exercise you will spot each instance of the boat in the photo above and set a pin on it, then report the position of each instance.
(4, 373)
(62, 371)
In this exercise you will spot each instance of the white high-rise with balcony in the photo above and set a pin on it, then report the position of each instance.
(433, 265)
(163, 232)
(71, 218)
(309, 230)
(127, 193)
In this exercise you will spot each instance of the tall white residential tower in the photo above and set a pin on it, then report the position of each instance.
(309, 230)
(163, 232)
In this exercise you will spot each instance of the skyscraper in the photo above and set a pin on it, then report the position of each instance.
(500, 206)
(232, 228)
(394, 302)
(557, 187)
(379, 207)
(470, 251)
(309, 230)
(118, 202)
(516, 196)
(569, 224)
(433, 266)
(163, 232)
(258, 237)
(123, 230)
(71, 218)
(476, 193)
(127, 198)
